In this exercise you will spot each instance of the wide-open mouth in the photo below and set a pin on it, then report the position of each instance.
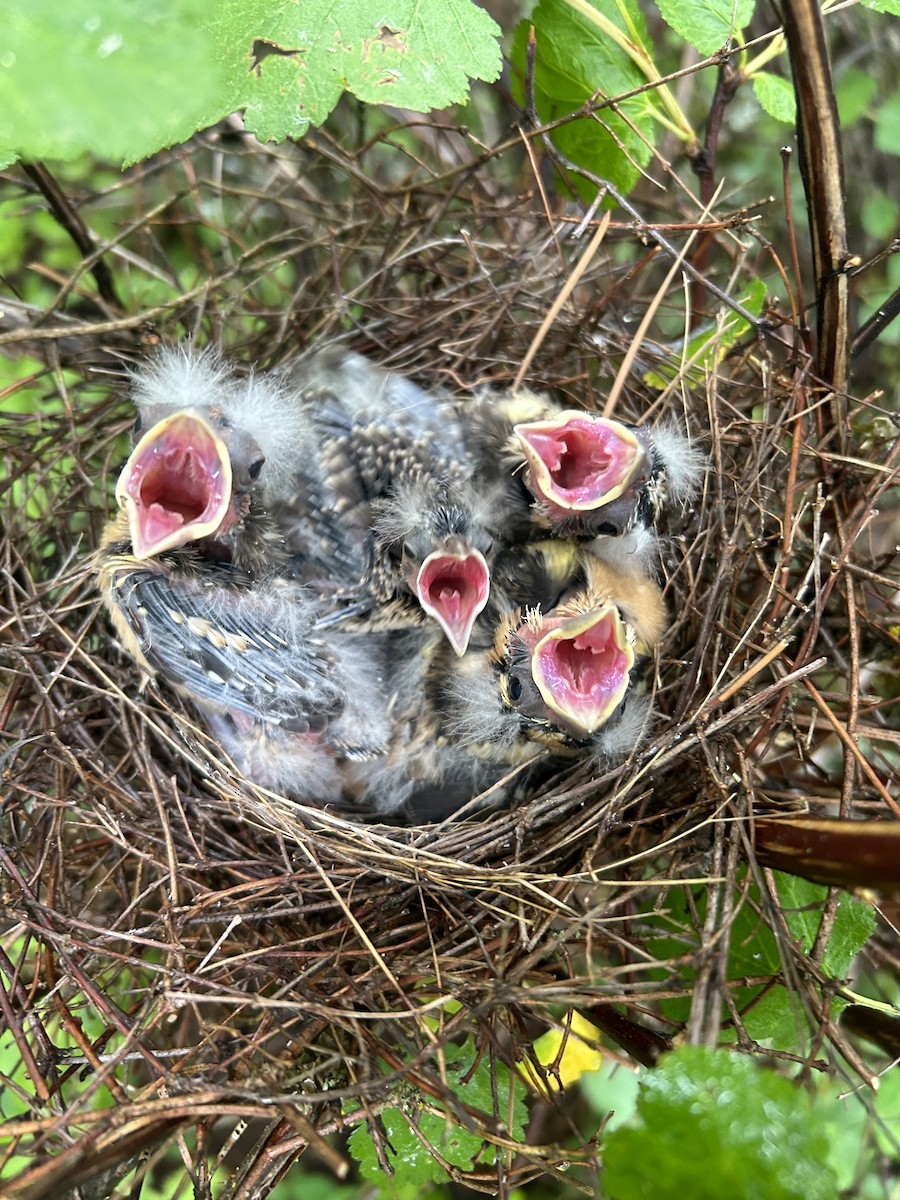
(582, 667)
(454, 588)
(580, 462)
(176, 486)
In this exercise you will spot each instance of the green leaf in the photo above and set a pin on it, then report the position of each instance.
(885, 6)
(769, 1012)
(854, 921)
(713, 1124)
(117, 79)
(480, 1087)
(13, 1099)
(776, 96)
(854, 91)
(706, 24)
(311, 1185)
(887, 119)
(612, 1093)
(710, 344)
(290, 64)
(854, 925)
(410, 1161)
(775, 1019)
(129, 77)
(887, 1106)
(844, 1121)
(575, 59)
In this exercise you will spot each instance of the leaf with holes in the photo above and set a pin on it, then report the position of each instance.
(290, 64)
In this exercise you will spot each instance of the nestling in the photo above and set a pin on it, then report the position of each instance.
(573, 473)
(560, 683)
(192, 573)
(393, 475)
(196, 472)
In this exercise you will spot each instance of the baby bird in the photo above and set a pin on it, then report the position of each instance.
(286, 704)
(191, 572)
(195, 475)
(574, 473)
(593, 476)
(561, 677)
(393, 474)
(557, 682)
(192, 494)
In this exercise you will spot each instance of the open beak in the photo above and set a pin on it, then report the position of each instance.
(579, 462)
(582, 667)
(176, 486)
(454, 588)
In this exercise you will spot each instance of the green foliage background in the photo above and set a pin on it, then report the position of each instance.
(127, 79)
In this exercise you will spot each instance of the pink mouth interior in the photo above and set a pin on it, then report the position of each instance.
(587, 674)
(179, 483)
(585, 459)
(454, 589)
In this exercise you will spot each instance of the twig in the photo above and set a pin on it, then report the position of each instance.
(822, 168)
(71, 221)
(565, 292)
(850, 745)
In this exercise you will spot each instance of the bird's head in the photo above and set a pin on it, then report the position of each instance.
(439, 547)
(565, 675)
(577, 464)
(186, 479)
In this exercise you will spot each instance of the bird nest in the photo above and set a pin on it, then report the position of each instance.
(194, 960)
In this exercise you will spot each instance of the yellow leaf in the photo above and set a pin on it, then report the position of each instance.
(577, 1055)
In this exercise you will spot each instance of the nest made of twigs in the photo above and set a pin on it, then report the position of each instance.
(212, 950)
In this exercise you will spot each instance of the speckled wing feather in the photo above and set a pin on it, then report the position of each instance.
(386, 511)
(375, 430)
(226, 644)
